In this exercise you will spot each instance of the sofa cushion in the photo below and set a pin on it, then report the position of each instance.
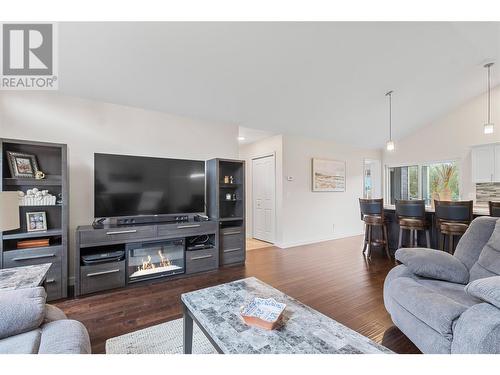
(453, 291)
(475, 238)
(487, 289)
(488, 263)
(21, 310)
(434, 309)
(24, 343)
(64, 337)
(434, 264)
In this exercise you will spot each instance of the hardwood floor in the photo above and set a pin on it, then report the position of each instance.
(331, 277)
(253, 244)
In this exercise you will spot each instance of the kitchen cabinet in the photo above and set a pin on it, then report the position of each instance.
(486, 163)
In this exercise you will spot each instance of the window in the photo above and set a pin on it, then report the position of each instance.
(432, 181)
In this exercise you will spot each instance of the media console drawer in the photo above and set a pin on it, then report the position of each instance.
(201, 260)
(102, 276)
(28, 257)
(97, 236)
(187, 229)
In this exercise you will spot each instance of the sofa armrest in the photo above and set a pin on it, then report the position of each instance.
(487, 289)
(21, 310)
(433, 264)
(477, 331)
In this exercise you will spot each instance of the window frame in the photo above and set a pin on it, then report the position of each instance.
(387, 178)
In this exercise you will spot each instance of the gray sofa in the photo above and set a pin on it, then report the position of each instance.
(29, 326)
(450, 303)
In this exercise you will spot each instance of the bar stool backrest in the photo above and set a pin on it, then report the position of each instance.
(410, 208)
(459, 211)
(494, 208)
(371, 207)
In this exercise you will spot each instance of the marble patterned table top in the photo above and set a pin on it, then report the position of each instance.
(23, 277)
(305, 330)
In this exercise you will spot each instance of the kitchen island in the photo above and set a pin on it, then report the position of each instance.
(393, 227)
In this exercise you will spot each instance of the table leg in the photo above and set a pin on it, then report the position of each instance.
(188, 331)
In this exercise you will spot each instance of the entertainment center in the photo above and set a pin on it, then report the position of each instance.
(150, 227)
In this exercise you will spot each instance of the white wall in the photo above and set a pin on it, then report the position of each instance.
(267, 146)
(450, 137)
(319, 216)
(89, 126)
(304, 216)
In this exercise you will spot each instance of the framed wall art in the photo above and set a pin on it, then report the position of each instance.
(328, 175)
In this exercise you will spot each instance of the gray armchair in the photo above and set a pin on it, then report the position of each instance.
(29, 326)
(450, 303)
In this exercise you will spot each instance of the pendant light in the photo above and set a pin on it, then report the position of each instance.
(489, 126)
(390, 143)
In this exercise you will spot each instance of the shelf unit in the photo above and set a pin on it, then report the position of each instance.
(52, 160)
(229, 213)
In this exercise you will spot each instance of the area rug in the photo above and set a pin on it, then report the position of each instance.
(165, 338)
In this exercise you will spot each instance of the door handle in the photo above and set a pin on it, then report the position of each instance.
(121, 232)
(230, 233)
(102, 273)
(188, 226)
(50, 281)
(34, 257)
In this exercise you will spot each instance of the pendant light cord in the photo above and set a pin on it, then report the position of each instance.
(489, 95)
(389, 94)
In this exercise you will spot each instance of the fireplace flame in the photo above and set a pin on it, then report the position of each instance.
(149, 265)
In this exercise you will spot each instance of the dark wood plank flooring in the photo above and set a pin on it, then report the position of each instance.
(331, 277)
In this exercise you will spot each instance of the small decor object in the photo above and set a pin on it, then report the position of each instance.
(35, 197)
(36, 221)
(231, 180)
(263, 313)
(27, 244)
(228, 196)
(328, 175)
(226, 179)
(234, 196)
(39, 175)
(22, 165)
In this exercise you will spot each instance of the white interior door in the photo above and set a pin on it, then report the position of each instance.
(263, 196)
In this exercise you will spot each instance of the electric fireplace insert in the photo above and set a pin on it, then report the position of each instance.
(152, 260)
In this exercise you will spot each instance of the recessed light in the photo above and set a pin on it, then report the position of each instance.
(240, 138)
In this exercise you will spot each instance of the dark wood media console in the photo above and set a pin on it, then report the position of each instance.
(109, 275)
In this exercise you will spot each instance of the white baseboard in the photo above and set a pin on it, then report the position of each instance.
(286, 245)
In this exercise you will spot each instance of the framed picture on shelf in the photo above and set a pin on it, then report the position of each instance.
(328, 175)
(22, 165)
(36, 221)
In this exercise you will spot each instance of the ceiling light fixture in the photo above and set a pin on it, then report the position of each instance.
(240, 138)
(489, 127)
(390, 143)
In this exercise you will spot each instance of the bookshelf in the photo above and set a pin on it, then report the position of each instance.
(52, 160)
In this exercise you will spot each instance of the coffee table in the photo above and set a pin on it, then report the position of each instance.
(23, 277)
(216, 310)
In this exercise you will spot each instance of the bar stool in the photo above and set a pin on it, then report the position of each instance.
(411, 216)
(372, 213)
(494, 208)
(452, 219)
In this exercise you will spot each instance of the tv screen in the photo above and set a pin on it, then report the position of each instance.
(133, 185)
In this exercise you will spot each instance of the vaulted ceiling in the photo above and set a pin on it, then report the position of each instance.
(317, 79)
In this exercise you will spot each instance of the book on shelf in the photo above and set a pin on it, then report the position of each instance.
(27, 244)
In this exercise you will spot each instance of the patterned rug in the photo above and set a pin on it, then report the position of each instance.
(165, 338)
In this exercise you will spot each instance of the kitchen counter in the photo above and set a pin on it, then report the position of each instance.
(393, 227)
(476, 210)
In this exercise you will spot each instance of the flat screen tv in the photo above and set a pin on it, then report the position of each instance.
(134, 185)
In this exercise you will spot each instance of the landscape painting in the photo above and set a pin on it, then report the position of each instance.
(328, 175)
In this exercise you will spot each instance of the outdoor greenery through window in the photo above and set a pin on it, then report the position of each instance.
(433, 181)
